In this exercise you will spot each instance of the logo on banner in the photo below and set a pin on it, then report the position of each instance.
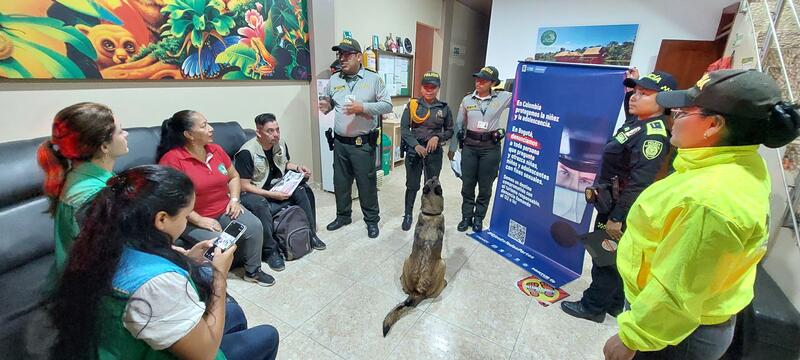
(652, 149)
(549, 37)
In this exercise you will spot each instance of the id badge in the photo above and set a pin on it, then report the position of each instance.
(483, 125)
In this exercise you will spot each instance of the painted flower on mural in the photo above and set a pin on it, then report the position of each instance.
(255, 29)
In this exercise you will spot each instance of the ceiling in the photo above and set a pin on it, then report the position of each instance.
(482, 6)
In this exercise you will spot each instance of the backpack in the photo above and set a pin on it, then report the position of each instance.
(292, 233)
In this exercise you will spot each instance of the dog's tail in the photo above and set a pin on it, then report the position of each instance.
(400, 310)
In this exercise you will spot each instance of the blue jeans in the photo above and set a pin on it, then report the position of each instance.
(707, 342)
(239, 342)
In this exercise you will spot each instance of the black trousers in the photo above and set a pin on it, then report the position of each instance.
(415, 166)
(352, 162)
(259, 206)
(479, 166)
(605, 293)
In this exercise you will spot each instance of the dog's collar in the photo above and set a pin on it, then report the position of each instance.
(431, 214)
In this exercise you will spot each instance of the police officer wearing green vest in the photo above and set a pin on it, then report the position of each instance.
(358, 96)
(479, 134)
(426, 123)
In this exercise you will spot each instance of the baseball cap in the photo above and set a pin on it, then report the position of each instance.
(657, 80)
(744, 93)
(488, 73)
(431, 78)
(347, 45)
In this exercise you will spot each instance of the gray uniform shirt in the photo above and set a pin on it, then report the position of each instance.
(481, 114)
(368, 88)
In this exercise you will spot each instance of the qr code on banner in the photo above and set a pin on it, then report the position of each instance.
(517, 231)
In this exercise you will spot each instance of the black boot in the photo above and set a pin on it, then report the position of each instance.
(576, 309)
(317, 243)
(477, 225)
(464, 224)
(336, 224)
(407, 221)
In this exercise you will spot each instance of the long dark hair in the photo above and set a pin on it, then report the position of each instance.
(172, 131)
(121, 215)
(779, 127)
(78, 132)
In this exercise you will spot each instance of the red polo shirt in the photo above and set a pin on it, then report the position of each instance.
(210, 178)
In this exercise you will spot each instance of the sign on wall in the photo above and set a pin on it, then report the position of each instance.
(599, 45)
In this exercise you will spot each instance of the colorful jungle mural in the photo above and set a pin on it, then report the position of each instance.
(154, 39)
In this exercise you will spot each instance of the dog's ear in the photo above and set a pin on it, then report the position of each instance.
(426, 189)
(437, 190)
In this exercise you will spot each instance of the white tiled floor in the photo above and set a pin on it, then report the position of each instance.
(331, 304)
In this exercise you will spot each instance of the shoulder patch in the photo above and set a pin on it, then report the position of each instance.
(656, 127)
(621, 137)
(652, 148)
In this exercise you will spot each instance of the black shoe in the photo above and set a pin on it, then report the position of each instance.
(275, 261)
(407, 220)
(614, 313)
(317, 243)
(260, 278)
(477, 225)
(464, 224)
(576, 309)
(372, 230)
(335, 224)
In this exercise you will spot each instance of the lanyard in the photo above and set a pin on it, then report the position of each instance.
(353, 86)
(484, 105)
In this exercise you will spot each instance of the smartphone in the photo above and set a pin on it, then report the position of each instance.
(227, 238)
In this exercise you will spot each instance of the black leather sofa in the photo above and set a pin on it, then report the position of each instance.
(26, 231)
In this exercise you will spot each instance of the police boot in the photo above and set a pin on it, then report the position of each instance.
(465, 223)
(409, 209)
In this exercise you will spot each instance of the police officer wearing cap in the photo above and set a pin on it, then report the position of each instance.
(633, 159)
(358, 96)
(479, 133)
(695, 238)
(426, 124)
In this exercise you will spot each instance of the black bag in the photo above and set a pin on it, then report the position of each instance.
(291, 231)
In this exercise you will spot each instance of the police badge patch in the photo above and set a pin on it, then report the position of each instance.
(440, 114)
(652, 148)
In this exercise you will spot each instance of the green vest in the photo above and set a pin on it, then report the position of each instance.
(260, 163)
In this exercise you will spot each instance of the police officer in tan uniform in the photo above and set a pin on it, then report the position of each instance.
(478, 127)
(358, 96)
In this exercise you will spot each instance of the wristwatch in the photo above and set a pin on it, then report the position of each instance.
(235, 199)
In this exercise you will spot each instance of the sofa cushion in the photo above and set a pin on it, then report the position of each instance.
(21, 177)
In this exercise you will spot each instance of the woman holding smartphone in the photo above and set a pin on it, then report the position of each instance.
(126, 292)
(187, 145)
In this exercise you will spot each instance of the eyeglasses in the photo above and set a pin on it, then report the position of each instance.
(679, 114)
(640, 93)
(345, 55)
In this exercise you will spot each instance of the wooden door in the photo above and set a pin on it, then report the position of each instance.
(423, 55)
(687, 60)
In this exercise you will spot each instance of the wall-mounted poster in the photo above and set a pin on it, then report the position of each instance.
(602, 44)
(154, 39)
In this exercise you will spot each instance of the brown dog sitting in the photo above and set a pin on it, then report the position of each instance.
(423, 271)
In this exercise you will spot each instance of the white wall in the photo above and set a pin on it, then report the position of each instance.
(515, 24)
(28, 108)
(470, 33)
(365, 18)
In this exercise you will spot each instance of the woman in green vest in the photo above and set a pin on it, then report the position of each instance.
(128, 293)
(77, 161)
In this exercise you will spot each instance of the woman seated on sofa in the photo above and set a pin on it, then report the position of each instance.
(186, 145)
(77, 160)
(126, 292)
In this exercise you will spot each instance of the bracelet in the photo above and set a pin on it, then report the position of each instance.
(235, 199)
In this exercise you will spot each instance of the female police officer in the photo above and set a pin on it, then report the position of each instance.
(478, 126)
(632, 159)
(426, 123)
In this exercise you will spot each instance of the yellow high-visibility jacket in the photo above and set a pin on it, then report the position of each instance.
(689, 254)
